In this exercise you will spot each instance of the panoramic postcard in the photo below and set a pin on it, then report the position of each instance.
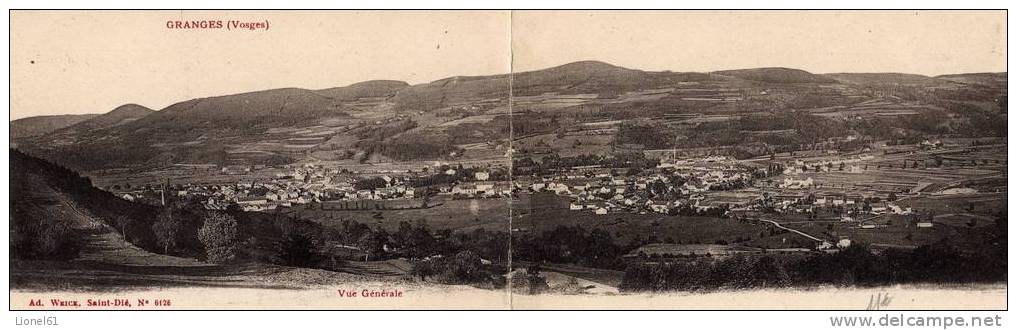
(332, 160)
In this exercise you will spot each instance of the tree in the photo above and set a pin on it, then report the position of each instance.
(297, 249)
(427, 197)
(373, 242)
(466, 267)
(166, 228)
(219, 236)
(124, 222)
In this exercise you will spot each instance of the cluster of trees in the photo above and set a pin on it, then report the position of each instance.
(478, 257)
(854, 266)
(370, 183)
(380, 132)
(376, 139)
(650, 136)
(792, 131)
(701, 274)
(633, 161)
(35, 237)
(571, 245)
(494, 131)
(410, 146)
(464, 267)
(181, 227)
(95, 154)
(37, 233)
(780, 131)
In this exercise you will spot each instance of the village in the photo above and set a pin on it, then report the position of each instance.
(861, 191)
(694, 185)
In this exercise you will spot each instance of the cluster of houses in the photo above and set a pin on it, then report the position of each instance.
(796, 203)
(668, 187)
(314, 184)
(850, 165)
(286, 193)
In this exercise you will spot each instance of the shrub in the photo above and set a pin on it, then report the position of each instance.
(465, 267)
(219, 236)
(42, 239)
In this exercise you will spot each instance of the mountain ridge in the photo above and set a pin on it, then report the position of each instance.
(387, 120)
(40, 125)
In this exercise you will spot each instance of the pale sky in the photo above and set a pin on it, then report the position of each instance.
(91, 62)
(922, 42)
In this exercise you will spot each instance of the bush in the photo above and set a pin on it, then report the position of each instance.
(297, 249)
(465, 267)
(43, 239)
(219, 236)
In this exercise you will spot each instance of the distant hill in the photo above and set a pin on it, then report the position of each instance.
(39, 125)
(887, 78)
(240, 111)
(583, 77)
(777, 75)
(992, 79)
(120, 115)
(445, 92)
(467, 117)
(366, 89)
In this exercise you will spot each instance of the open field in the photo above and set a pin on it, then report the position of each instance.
(457, 215)
(627, 227)
(896, 231)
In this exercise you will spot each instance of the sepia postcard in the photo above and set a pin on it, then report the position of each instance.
(508, 160)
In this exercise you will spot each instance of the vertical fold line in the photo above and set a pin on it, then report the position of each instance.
(511, 155)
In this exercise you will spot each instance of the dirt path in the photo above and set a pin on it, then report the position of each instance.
(778, 225)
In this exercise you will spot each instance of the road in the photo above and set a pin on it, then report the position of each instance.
(778, 225)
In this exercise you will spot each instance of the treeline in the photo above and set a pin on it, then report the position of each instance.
(478, 257)
(376, 139)
(802, 128)
(571, 245)
(410, 147)
(632, 161)
(380, 132)
(854, 266)
(37, 233)
(181, 228)
(793, 131)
